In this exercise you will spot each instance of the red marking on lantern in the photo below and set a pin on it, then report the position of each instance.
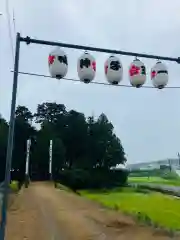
(134, 70)
(51, 59)
(106, 69)
(94, 65)
(153, 74)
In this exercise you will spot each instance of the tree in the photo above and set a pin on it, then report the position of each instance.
(75, 137)
(39, 163)
(58, 157)
(105, 149)
(82, 147)
(3, 146)
(23, 114)
(49, 112)
(114, 153)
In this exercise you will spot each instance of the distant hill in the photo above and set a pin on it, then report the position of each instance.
(155, 164)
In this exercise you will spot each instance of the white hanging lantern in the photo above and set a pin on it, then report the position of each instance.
(86, 67)
(159, 75)
(58, 64)
(137, 73)
(113, 70)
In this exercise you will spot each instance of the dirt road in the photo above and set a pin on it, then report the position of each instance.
(43, 212)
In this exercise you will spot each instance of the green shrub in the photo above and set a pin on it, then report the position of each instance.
(14, 186)
(92, 179)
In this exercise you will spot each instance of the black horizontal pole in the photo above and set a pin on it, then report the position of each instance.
(29, 40)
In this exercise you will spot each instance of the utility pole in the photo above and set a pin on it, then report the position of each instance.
(10, 141)
(27, 163)
(178, 158)
(169, 163)
(50, 159)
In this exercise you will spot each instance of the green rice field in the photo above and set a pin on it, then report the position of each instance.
(155, 180)
(161, 209)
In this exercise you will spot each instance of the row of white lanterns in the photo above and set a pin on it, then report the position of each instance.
(86, 67)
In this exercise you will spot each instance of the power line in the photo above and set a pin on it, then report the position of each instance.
(9, 29)
(14, 22)
(94, 82)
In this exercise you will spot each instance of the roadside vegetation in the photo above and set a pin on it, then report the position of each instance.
(152, 208)
(162, 176)
(154, 180)
(14, 186)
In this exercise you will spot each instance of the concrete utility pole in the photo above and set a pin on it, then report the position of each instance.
(27, 162)
(50, 158)
(178, 159)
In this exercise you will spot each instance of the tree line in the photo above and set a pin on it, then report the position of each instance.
(84, 148)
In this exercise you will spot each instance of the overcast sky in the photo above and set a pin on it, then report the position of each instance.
(146, 120)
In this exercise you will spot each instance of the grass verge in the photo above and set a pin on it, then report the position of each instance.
(14, 187)
(152, 208)
(62, 187)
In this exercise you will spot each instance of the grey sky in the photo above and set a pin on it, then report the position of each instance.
(147, 121)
